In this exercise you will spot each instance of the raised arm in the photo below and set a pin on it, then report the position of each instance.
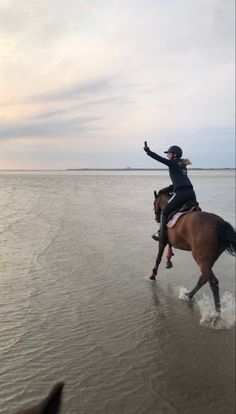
(155, 156)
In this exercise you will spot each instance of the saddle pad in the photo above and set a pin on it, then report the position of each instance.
(176, 217)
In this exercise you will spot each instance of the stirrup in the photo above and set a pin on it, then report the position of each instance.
(156, 236)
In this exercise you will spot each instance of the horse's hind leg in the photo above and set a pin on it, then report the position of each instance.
(169, 255)
(214, 284)
(208, 276)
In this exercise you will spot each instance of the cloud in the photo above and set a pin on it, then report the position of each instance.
(47, 129)
(116, 72)
(89, 103)
(83, 89)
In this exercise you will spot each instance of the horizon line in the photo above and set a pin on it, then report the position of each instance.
(112, 169)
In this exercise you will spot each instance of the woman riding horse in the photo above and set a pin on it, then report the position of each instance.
(181, 184)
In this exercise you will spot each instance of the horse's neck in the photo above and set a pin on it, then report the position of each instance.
(164, 201)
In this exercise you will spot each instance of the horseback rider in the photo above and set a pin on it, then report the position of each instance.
(181, 185)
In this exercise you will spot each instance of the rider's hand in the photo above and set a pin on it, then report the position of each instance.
(146, 148)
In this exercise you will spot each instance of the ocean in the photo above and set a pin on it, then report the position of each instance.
(76, 304)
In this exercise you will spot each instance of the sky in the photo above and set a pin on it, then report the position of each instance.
(84, 83)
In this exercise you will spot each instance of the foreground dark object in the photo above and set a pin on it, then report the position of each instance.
(50, 405)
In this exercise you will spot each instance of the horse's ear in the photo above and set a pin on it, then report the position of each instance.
(155, 194)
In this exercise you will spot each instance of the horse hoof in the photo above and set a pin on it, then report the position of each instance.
(187, 296)
(169, 265)
(215, 319)
(152, 277)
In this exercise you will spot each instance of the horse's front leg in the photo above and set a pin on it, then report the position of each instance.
(158, 260)
(201, 281)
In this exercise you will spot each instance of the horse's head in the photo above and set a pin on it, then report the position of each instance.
(160, 200)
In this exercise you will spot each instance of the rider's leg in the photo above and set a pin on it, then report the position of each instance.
(161, 234)
(163, 229)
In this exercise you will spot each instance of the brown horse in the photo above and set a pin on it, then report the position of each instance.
(50, 405)
(206, 235)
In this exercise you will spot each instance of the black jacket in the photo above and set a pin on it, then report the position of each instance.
(177, 171)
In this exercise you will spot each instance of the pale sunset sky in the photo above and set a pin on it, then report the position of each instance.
(84, 83)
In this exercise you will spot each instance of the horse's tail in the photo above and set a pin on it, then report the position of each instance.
(227, 237)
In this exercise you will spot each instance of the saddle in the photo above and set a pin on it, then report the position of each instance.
(186, 208)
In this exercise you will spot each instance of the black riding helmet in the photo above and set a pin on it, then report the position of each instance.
(175, 150)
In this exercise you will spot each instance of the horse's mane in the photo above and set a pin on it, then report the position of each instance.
(166, 190)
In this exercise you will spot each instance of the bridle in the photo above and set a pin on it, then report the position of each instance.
(156, 207)
(159, 203)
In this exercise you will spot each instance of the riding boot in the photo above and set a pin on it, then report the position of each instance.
(161, 235)
(163, 229)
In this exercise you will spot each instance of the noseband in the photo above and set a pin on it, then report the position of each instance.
(156, 208)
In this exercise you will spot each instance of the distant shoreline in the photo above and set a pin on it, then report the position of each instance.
(141, 169)
(117, 169)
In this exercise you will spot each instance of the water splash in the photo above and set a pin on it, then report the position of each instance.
(182, 294)
(208, 314)
(206, 307)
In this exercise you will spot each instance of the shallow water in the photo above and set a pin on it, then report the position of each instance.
(76, 304)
